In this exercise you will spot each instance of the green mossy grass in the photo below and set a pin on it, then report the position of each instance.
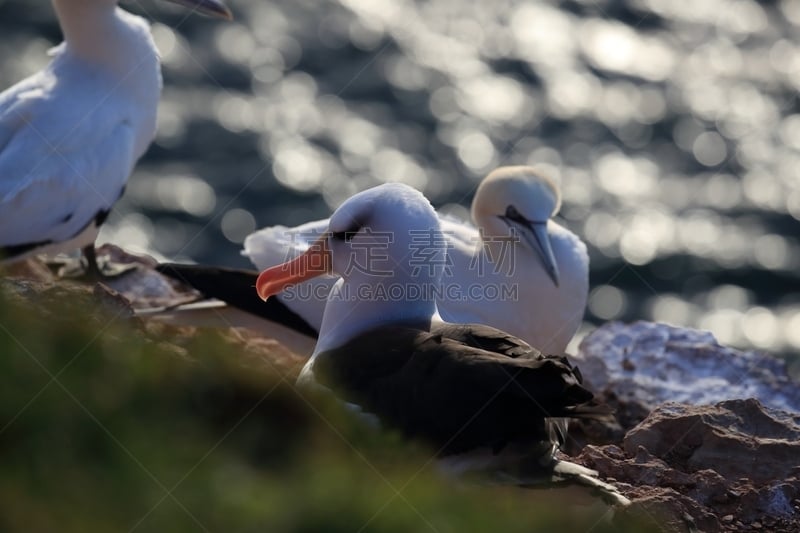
(105, 428)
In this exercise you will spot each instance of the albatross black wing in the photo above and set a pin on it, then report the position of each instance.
(452, 391)
(488, 338)
(236, 288)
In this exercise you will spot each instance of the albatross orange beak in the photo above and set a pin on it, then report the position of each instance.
(312, 263)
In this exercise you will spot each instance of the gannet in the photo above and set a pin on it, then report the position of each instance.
(71, 133)
(468, 390)
(515, 269)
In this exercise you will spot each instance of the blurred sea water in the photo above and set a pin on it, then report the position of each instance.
(673, 126)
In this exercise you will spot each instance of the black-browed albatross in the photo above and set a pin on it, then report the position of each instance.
(468, 390)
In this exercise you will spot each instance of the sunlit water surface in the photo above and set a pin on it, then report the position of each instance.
(674, 127)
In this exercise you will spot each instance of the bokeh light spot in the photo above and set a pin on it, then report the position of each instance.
(607, 302)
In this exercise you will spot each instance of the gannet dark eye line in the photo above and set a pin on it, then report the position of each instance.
(516, 216)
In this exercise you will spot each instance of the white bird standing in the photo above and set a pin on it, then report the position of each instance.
(479, 395)
(516, 269)
(517, 248)
(71, 133)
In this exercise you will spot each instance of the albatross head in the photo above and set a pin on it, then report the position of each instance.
(387, 235)
(523, 200)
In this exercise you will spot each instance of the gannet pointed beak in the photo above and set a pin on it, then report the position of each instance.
(542, 245)
(212, 8)
(535, 234)
(312, 263)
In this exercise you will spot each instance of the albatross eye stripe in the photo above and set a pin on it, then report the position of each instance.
(346, 235)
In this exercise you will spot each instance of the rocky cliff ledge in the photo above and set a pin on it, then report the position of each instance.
(706, 438)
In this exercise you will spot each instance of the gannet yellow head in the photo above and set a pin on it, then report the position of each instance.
(524, 200)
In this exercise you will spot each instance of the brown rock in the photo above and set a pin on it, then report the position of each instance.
(673, 511)
(30, 269)
(736, 438)
(726, 467)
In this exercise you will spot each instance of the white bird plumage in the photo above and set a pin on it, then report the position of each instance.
(512, 284)
(71, 133)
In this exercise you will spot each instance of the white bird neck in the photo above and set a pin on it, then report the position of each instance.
(100, 32)
(355, 307)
